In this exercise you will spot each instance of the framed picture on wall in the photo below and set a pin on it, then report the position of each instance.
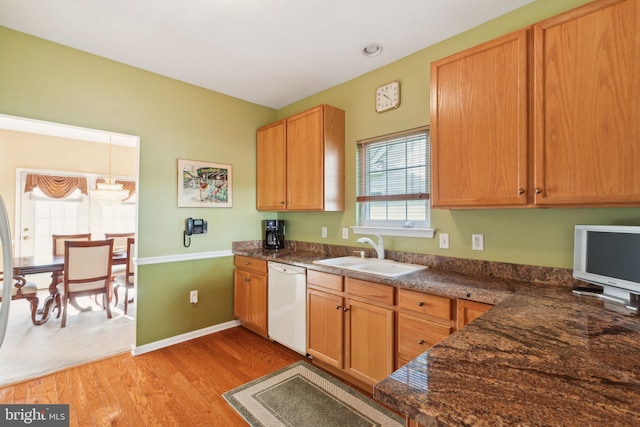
(204, 184)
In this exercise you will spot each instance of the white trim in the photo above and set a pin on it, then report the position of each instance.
(146, 348)
(425, 233)
(23, 124)
(183, 257)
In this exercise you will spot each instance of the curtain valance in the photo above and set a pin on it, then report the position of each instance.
(130, 186)
(56, 187)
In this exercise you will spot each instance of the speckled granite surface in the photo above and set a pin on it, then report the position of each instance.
(527, 362)
(540, 357)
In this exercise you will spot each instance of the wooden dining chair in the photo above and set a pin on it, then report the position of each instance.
(126, 280)
(58, 247)
(119, 239)
(119, 242)
(87, 271)
(60, 239)
(22, 289)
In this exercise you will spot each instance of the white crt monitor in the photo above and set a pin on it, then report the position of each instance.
(609, 256)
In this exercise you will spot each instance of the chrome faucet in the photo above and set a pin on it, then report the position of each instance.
(379, 247)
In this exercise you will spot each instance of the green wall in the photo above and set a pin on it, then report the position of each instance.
(46, 81)
(164, 309)
(524, 236)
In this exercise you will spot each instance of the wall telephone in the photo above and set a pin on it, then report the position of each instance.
(193, 226)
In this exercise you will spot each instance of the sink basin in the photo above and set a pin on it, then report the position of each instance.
(343, 262)
(378, 267)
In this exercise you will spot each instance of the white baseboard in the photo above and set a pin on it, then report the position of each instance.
(135, 351)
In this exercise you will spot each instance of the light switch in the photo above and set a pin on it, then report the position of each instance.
(444, 240)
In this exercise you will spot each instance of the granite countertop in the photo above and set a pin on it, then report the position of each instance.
(540, 357)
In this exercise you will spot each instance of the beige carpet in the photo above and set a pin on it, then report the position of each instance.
(31, 351)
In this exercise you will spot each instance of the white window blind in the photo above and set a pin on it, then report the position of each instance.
(393, 179)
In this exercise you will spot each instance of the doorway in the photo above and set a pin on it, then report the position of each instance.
(36, 146)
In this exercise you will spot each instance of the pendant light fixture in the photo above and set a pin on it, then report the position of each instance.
(109, 192)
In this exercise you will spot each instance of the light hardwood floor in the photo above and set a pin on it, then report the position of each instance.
(181, 385)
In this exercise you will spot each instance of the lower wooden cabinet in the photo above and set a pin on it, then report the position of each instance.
(325, 326)
(369, 338)
(250, 302)
(362, 331)
(423, 321)
(416, 335)
(469, 311)
(350, 330)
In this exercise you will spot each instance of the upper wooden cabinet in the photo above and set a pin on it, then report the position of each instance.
(587, 106)
(271, 167)
(571, 141)
(479, 131)
(300, 162)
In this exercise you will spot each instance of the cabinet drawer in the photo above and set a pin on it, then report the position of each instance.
(415, 336)
(251, 264)
(369, 290)
(419, 302)
(325, 280)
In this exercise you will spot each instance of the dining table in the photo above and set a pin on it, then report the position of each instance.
(54, 264)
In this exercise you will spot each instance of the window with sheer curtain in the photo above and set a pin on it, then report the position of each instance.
(393, 182)
(54, 203)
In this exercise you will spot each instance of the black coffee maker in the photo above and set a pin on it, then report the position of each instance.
(273, 234)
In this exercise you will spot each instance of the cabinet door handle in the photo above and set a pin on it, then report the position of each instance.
(520, 190)
(420, 304)
(338, 307)
(538, 190)
(246, 279)
(345, 309)
(420, 342)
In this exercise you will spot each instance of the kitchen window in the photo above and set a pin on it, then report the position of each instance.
(393, 185)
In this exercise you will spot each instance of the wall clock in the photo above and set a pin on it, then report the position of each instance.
(388, 96)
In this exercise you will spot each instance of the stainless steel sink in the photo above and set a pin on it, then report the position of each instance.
(378, 267)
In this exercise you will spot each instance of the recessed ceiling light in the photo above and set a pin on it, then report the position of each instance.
(372, 50)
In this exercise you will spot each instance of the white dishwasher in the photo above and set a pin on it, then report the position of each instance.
(288, 306)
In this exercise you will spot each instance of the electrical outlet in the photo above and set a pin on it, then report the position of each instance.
(324, 232)
(345, 233)
(477, 242)
(444, 240)
(193, 297)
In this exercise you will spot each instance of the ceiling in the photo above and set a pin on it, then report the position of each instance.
(269, 52)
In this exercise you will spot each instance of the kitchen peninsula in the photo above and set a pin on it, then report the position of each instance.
(540, 356)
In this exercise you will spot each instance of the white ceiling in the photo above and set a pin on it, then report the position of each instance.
(270, 52)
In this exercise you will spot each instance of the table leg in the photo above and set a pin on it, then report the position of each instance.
(45, 310)
(53, 292)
